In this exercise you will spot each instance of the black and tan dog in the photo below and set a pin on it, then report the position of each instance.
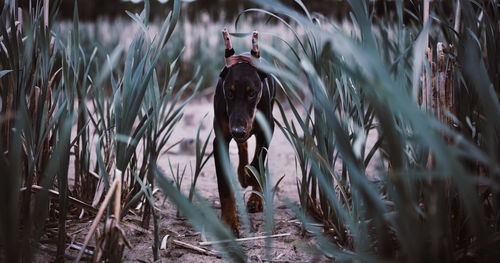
(241, 91)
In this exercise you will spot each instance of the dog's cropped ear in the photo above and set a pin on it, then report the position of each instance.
(255, 45)
(229, 51)
(256, 54)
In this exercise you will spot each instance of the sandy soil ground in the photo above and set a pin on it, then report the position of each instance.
(281, 162)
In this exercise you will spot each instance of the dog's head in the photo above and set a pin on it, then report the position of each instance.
(242, 88)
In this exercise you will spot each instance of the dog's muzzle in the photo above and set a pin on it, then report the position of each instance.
(239, 134)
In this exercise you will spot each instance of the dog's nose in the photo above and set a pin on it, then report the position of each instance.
(238, 132)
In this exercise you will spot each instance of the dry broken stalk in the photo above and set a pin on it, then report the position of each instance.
(445, 84)
(426, 18)
(242, 239)
(438, 91)
(112, 190)
(112, 243)
(70, 198)
(193, 247)
(456, 27)
(46, 12)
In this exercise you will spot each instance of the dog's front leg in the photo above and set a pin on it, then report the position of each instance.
(255, 202)
(227, 203)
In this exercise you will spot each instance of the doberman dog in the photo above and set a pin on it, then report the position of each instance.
(242, 89)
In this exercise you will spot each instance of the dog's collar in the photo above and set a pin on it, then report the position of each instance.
(236, 59)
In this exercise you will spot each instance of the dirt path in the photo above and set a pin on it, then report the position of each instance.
(281, 155)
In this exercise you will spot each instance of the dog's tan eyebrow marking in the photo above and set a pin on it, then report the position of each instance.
(233, 88)
(248, 88)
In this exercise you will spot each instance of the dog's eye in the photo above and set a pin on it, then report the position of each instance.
(252, 93)
(230, 92)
